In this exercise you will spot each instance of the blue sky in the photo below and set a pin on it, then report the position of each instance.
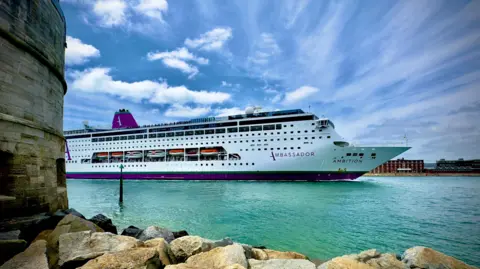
(377, 69)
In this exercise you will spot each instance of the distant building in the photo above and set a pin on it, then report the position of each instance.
(459, 165)
(400, 166)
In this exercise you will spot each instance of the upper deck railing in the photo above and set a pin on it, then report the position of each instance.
(208, 119)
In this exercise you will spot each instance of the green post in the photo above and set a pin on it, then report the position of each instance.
(121, 183)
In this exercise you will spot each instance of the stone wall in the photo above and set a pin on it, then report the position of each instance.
(32, 86)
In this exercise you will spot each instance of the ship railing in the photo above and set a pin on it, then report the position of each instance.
(387, 144)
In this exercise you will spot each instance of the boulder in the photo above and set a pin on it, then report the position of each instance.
(127, 259)
(69, 224)
(344, 262)
(188, 266)
(132, 231)
(180, 234)
(161, 246)
(74, 212)
(281, 264)
(105, 223)
(10, 248)
(259, 254)
(219, 257)
(423, 257)
(366, 259)
(187, 246)
(274, 254)
(77, 248)
(10, 235)
(386, 260)
(367, 255)
(156, 232)
(43, 235)
(34, 257)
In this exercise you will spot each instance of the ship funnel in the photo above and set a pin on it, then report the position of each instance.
(123, 119)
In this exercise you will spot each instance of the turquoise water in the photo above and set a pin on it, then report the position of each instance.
(321, 220)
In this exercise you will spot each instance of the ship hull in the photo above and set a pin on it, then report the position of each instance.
(258, 176)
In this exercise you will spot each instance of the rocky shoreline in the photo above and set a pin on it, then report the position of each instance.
(67, 240)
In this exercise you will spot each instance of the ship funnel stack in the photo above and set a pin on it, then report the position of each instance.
(123, 119)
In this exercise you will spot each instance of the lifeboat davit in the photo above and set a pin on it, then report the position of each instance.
(156, 153)
(134, 154)
(117, 154)
(102, 155)
(209, 151)
(176, 152)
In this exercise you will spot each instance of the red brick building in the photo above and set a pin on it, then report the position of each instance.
(400, 166)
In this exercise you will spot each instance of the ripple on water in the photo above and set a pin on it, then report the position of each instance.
(322, 220)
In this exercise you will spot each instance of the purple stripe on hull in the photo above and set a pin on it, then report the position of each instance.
(220, 176)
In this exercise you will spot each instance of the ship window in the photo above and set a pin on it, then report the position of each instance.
(268, 127)
(220, 131)
(349, 154)
(94, 139)
(320, 137)
(291, 125)
(131, 137)
(210, 131)
(232, 130)
(116, 138)
(138, 137)
(187, 133)
(152, 135)
(244, 129)
(299, 138)
(170, 134)
(161, 135)
(354, 154)
(101, 139)
(278, 126)
(298, 131)
(360, 154)
(328, 136)
(256, 128)
(291, 138)
(199, 132)
(374, 154)
(179, 134)
(298, 147)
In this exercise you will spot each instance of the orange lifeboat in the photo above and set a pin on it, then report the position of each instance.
(117, 154)
(176, 152)
(192, 151)
(209, 152)
(102, 155)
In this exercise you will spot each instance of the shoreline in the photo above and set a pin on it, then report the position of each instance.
(67, 240)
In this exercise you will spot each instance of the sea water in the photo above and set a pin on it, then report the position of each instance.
(319, 219)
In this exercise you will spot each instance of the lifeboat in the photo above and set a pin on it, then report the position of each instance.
(176, 152)
(134, 154)
(209, 152)
(156, 153)
(117, 154)
(192, 151)
(102, 155)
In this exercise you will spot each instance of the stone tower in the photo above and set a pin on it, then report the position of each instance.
(32, 86)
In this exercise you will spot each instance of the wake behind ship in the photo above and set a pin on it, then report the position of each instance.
(281, 145)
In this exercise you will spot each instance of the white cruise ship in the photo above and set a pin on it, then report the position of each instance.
(282, 145)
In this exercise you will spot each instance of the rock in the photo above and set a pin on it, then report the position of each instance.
(81, 246)
(259, 254)
(344, 262)
(219, 257)
(69, 224)
(127, 259)
(187, 246)
(34, 257)
(259, 247)
(247, 249)
(105, 223)
(74, 212)
(10, 235)
(274, 254)
(43, 235)
(281, 264)
(10, 248)
(386, 260)
(156, 232)
(132, 231)
(180, 234)
(161, 246)
(423, 257)
(367, 255)
(182, 266)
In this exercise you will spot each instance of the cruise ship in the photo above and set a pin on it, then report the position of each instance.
(289, 145)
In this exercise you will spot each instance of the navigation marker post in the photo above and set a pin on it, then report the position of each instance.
(121, 183)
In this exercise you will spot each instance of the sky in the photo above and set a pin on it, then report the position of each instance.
(380, 70)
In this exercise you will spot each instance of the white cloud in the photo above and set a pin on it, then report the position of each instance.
(222, 112)
(152, 8)
(181, 111)
(299, 94)
(78, 53)
(179, 59)
(266, 48)
(110, 12)
(211, 40)
(98, 80)
(226, 84)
